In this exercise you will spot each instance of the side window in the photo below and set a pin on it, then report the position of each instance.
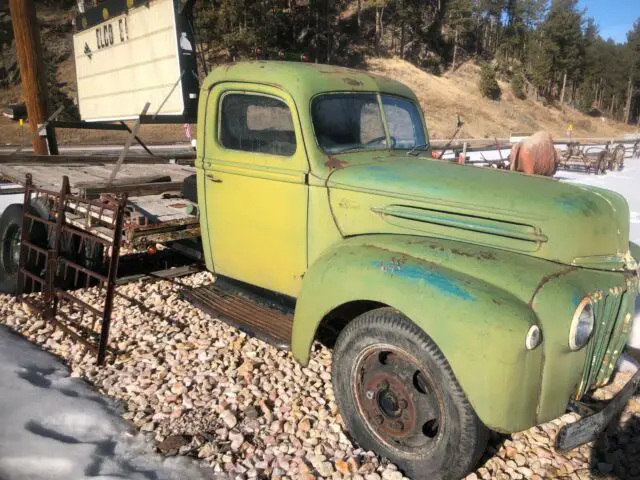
(404, 122)
(256, 123)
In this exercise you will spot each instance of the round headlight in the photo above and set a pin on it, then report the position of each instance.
(581, 325)
(533, 338)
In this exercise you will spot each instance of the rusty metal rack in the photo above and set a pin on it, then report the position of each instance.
(69, 242)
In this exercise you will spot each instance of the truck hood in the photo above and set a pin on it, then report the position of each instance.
(565, 223)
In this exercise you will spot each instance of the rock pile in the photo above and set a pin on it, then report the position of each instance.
(202, 388)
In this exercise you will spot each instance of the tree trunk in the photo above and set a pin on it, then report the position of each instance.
(455, 49)
(377, 31)
(329, 30)
(379, 28)
(317, 42)
(627, 108)
(293, 24)
(359, 15)
(564, 86)
(478, 36)
(549, 92)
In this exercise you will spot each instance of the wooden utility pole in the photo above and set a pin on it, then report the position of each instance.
(32, 71)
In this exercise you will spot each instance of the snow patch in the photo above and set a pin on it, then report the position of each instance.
(55, 427)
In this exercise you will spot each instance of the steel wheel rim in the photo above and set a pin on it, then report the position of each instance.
(11, 249)
(397, 400)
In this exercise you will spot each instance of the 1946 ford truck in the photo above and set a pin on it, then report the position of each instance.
(462, 299)
(457, 299)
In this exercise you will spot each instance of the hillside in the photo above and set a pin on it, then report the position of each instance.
(442, 97)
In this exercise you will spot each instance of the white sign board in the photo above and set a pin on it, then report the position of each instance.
(128, 53)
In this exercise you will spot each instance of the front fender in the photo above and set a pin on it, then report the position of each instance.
(479, 327)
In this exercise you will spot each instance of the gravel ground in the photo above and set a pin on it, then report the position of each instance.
(201, 388)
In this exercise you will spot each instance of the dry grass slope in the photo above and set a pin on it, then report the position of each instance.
(457, 93)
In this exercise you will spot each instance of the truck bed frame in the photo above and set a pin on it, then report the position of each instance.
(156, 212)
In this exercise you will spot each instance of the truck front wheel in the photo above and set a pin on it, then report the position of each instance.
(399, 397)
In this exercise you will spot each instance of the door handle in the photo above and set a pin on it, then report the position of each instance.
(213, 178)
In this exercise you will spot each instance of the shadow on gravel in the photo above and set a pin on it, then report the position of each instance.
(616, 453)
(145, 309)
(496, 440)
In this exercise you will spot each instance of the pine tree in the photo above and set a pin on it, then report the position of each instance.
(633, 60)
(488, 84)
(517, 85)
(459, 18)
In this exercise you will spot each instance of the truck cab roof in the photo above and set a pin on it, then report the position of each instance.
(305, 80)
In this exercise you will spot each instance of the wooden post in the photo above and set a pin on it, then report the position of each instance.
(462, 158)
(32, 71)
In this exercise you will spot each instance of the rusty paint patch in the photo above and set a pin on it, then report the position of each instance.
(178, 205)
(435, 246)
(335, 163)
(352, 82)
(348, 204)
(480, 256)
(547, 278)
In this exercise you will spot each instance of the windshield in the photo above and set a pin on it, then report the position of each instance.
(352, 121)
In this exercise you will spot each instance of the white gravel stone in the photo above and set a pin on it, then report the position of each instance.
(248, 410)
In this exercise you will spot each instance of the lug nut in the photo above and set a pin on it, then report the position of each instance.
(397, 426)
(369, 394)
(383, 385)
(402, 403)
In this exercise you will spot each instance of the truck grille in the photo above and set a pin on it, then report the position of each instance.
(610, 335)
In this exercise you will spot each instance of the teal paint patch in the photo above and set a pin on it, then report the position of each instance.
(578, 203)
(442, 282)
(382, 173)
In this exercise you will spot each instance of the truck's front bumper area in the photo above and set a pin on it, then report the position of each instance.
(587, 429)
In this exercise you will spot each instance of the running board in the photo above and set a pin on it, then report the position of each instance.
(242, 310)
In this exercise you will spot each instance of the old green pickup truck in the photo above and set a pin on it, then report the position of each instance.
(460, 299)
(457, 299)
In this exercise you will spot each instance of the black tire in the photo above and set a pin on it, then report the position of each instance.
(383, 414)
(68, 244)
(10, 232)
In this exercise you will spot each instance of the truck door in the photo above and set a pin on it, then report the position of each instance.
(255, 191)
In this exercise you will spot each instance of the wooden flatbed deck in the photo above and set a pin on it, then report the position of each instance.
(156, 209)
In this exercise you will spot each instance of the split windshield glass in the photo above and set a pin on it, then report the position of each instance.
(353, 121)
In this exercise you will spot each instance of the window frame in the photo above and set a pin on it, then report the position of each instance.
(218, 136)
(378, 95)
